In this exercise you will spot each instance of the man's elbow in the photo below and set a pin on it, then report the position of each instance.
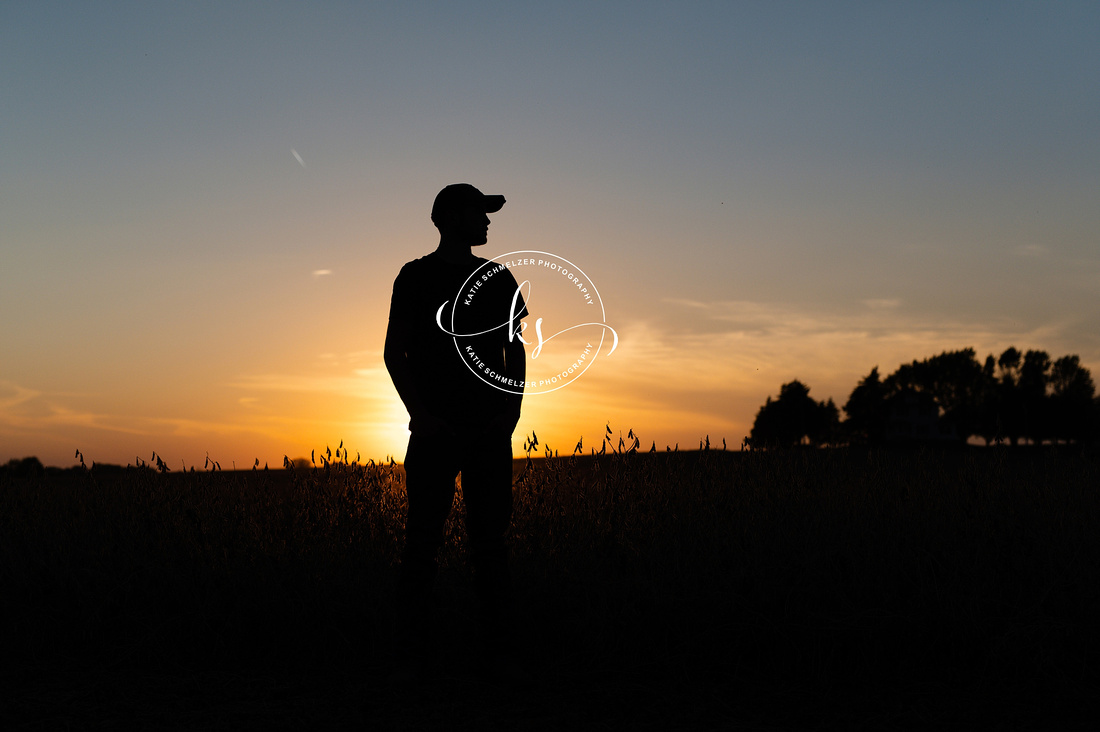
(394, 358)
(393, 352)
(515, 357)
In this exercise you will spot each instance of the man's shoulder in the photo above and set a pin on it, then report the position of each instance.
(430, 265)
(418, 272)
(433, 261)
(419, 264)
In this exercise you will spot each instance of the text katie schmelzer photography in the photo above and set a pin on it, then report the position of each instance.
(568, 295)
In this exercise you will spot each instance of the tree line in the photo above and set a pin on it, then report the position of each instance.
(1013, 398)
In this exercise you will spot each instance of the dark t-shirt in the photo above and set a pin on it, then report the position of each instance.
(479, 298)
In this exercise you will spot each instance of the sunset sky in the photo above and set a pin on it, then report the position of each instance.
(203, 206)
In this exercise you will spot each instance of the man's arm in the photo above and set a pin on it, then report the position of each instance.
(515, 367)
(397, 363)
(515, 358)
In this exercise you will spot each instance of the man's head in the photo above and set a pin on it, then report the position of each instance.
(460, 212)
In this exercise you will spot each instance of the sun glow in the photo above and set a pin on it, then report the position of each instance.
(388, 431)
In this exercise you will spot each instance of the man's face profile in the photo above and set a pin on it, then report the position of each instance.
(467, 224)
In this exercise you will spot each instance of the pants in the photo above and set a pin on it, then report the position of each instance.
(431, 466)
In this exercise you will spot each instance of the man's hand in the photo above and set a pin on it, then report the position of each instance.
(504, 423)
(430, 425)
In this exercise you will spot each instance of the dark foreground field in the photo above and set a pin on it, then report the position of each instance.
(816, 589)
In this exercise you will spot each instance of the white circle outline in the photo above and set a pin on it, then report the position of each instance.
(603, 319)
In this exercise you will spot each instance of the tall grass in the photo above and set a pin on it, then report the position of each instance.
(689, 576)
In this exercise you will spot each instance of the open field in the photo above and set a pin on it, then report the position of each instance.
(828, 588)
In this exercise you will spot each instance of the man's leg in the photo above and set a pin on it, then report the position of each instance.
(487, 492)
(430, 487)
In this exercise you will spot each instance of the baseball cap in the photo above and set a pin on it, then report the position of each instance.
(463, 195)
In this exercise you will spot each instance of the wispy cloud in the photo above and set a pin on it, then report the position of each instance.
(715, 370)
(882, 303)
(350, 360)
(698, 304)
(266, 415)
(273, 428)
(1033, 251)
(363, 383)
(31, 410)
(13, 395)
(873, 323)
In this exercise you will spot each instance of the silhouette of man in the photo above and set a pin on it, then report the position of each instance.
(459, 423)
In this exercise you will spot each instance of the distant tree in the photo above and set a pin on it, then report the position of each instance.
(954, 379)
(1009, 363)
(28, 468)
(1009, 404)
(1072, 409)
(1016, 395)
(794, 417)
(1034, 375)
(826, 424)
(1094, 432)
(989, 426)
(867, 411)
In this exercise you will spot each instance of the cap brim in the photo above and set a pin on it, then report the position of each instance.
(493, 203)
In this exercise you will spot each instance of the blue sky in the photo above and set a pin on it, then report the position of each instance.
(762, 191)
